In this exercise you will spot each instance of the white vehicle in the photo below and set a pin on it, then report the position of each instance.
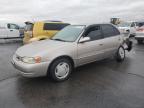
(9, 30)
(140, 32)
(128, 27)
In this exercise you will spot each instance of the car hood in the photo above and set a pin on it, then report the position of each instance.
(39, 47)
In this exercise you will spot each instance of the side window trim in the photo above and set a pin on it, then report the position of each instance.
(102, 31)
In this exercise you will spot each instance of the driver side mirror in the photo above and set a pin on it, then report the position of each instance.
(84, 39)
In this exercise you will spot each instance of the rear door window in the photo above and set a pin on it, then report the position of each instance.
(50, 26)
(109, 30)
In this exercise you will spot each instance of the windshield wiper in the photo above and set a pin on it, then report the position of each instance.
(59, 40)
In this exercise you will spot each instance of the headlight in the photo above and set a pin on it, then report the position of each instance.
(31, 60)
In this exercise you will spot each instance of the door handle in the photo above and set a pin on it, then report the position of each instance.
(11, 30)
(101, 44)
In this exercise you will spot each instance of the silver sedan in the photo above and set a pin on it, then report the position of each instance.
(73, 46)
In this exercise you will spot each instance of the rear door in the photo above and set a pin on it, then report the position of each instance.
(91, 50)
(111, 39)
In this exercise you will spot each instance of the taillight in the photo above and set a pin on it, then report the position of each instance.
(140, 29)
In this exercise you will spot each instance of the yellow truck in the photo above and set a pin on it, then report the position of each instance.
(115, 21)
(42, 30)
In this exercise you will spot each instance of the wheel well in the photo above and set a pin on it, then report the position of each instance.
(67, 57)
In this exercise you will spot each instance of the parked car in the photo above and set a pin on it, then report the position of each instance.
(42, 30)
(73, 46)
(9, 30)
(140, 32)
(128, 27)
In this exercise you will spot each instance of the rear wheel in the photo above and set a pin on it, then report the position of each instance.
(60, 69)
(140, 41)
(120, 55)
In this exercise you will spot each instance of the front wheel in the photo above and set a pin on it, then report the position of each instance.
(120, 55)
(60, 69)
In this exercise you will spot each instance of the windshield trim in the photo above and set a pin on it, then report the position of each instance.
(81, 34)
(60, 40)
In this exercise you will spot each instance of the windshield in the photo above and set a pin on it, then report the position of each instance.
(69, 33)
(29, 27)
(140, 24)
(124, 25)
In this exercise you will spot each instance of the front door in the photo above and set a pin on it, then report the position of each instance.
(92, 50)
(13, 31)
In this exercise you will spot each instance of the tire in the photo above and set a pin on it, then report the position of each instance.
(131, 36)
(140, 41)
(60, 69)
(130, 45)
(120, 54)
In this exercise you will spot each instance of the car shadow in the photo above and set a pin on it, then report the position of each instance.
(43, 91)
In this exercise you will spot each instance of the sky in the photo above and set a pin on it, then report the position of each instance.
(72, 11)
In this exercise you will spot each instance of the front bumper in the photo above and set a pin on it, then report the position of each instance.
(31, 70)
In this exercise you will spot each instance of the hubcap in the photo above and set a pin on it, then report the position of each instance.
(121, 52)
(62, 70)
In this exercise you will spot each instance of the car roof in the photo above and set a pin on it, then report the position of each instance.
(50, 21)
(92, 24)
(53, 21)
